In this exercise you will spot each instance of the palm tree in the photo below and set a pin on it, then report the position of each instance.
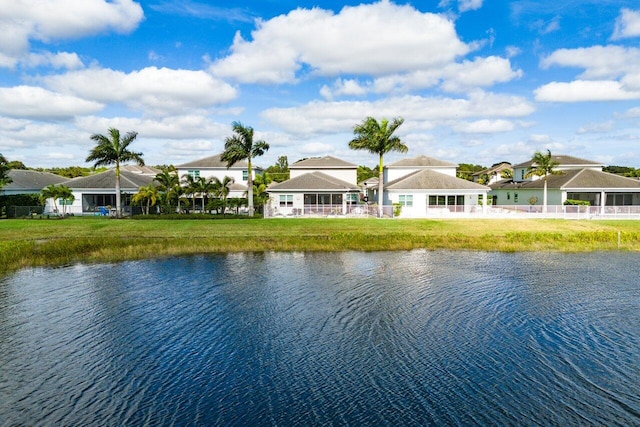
(112, 150)
(241, 146)
(222, 188)
(4, 172)
(542, 165)
(189, 185)
(260, 185)
(167, 179)
(203, 186)
(56, 192)
(148, 194)
(377, 138)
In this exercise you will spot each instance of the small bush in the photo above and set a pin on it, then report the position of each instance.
(573, 202)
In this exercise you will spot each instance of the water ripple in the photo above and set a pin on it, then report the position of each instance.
(404, 338)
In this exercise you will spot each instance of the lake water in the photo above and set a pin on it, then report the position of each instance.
(398, 338)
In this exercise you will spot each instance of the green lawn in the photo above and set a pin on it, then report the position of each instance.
(36, 242)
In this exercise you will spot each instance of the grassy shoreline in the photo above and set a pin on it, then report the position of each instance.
(33, 242)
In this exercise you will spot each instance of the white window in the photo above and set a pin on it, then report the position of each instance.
(286, 200)
(194, 173)
(353, 197)
(406, 199)
(245, 175)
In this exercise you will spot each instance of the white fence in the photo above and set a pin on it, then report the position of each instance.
(501, 211)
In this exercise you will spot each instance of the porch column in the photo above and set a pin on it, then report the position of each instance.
(484, 203)
(603, 201)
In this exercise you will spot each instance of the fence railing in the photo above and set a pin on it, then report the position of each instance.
(494, 211)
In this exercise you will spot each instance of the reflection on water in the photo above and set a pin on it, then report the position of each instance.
(402, 338)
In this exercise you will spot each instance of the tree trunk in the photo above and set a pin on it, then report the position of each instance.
(380, 188)
(118, 203)
(544, 196)
(250, 187)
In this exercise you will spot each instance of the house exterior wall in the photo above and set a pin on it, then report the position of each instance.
(522, 197)
(420, 202)
(236, 174)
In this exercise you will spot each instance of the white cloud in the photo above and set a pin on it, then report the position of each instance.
(597, 127)
(66, 60)
(38, 103)
(466, 5)
(352, 42)
(611, 73)
(316, 148)
(585, 90)
(484, 126)
(455, 77)
(320, 117)
(169, 128)
(627, 25)
(47, 20)
(340, 87)
(152, 90)
(598, 61)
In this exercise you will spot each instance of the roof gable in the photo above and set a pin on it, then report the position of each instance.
(432, 180)
(313, 181)
(31, 180)
(213, 162)
(421, 161)
(322, 162)
(107, 180)
(562, 160)
(578, 178)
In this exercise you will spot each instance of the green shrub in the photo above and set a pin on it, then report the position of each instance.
(573, 202)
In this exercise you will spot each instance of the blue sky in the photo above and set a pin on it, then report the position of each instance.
(476, 81)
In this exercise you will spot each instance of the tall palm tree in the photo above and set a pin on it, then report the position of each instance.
(241, 146)
(377, 138)
(4, 172)
(114, 150)
(543, 165)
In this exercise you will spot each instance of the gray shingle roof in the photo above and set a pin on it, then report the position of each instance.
(562, 160)
(107, 180)
(31, 180)
(421, 161)
(322, 162)
(432, 180)
(213, 162)
(494, 169)
(579, 178)
(317, 181)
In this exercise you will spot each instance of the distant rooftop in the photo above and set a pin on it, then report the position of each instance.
(421, 161)
(322, 162)
(213, 162)
(562, 160)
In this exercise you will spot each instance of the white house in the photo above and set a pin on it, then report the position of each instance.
(96, 193)
(318, 186)
(213, 166)
(424, 186)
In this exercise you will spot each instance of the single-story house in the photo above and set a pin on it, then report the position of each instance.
(95, 193)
